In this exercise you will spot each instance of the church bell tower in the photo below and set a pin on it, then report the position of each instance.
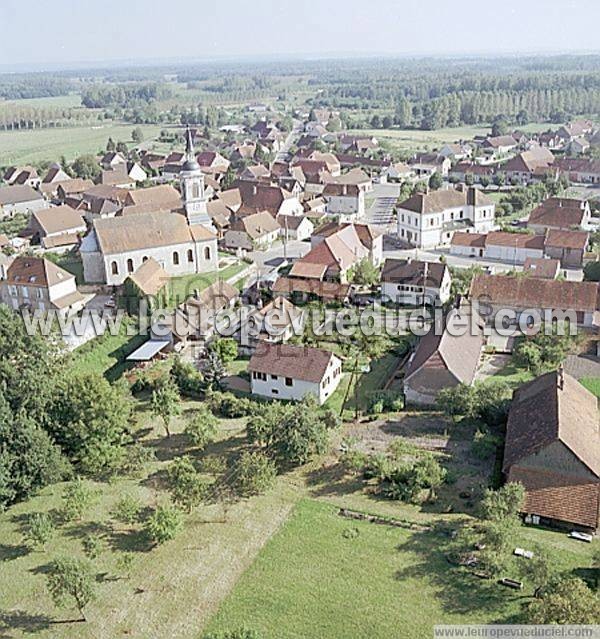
(192, 186)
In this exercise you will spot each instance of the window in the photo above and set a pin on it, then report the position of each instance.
(275, 391)
(195, 190)
(130, 265)
(273, 376)
(145, 258)
(190, 255)
(175, 258)
(114, 268)
(289, 381)
(207, 252)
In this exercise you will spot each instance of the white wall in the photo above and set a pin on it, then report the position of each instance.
(299, 388)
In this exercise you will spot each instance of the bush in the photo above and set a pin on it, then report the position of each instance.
(40, 529)
(385, 402)
(187, 378)
(229, 406)
(133, 460)
(484, 444)
(164, 524)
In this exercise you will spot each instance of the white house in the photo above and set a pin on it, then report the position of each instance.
(20, 199)
(414, 282)
(295, 227)
(428, 220)
(283, 371)
(38, 284)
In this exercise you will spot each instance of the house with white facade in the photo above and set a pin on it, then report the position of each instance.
(428, 220)
(295, 227)
(20, 199)
(414, 282)
(36, 283)
(283, 371)
(345, 195)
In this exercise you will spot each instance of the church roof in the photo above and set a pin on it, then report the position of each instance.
(146, 231)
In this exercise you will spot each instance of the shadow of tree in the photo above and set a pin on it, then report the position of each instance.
(333, 480)
(10, 552)
(24, 622)
(459, 591)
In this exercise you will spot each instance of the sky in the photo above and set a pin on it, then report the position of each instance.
(40, 33)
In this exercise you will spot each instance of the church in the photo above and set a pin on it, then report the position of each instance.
(182, 241)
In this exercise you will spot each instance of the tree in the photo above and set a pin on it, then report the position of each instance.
(165, 402)
(122, 148)
(40, 529)
(71, 579)
(86, 167)
(164, 524)
(229, 178)
(365, 273)
(293, 434)
(566, 600)
(538, 569)
(111, 146)
(77, 498)
(29, 458)
(127, 510)
(456, 402)
(256, 473)
(500, 125)
(226, 348)
(505, 502)
(186, 485)
(213, 371)
(89, 418)
(137, 135)
(202, 427)
(435, 181)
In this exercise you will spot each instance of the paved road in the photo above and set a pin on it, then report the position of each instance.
(291, 139)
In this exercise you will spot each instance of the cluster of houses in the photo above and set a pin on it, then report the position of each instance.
(136, 239)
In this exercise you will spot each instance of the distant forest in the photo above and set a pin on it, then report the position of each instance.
(425, 93)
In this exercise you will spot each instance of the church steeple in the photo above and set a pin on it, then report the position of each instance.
(191, 179)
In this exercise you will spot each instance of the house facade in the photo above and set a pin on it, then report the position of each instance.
(414, 282)
(428, 220)
(36, 283)
(283, 371)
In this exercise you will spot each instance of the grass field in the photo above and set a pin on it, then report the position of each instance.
(417, 140)
(326, 576)
(22, 147)
(172, 590)
(72, 100)
(106, 354)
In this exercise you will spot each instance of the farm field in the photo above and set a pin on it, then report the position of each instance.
(38, 145)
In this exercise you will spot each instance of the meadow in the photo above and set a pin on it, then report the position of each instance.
(49, 145)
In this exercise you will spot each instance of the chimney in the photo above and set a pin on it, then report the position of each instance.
(561, 377)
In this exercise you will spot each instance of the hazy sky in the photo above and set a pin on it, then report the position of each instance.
(39, 32)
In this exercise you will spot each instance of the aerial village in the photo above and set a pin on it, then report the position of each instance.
(242, 250)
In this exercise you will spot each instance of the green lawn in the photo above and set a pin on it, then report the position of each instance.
(106, 354)
(21, 147)
(182, 288)
(511, 375)
(592, 384)
(417, 140)
(314, 580)
(173, 589)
